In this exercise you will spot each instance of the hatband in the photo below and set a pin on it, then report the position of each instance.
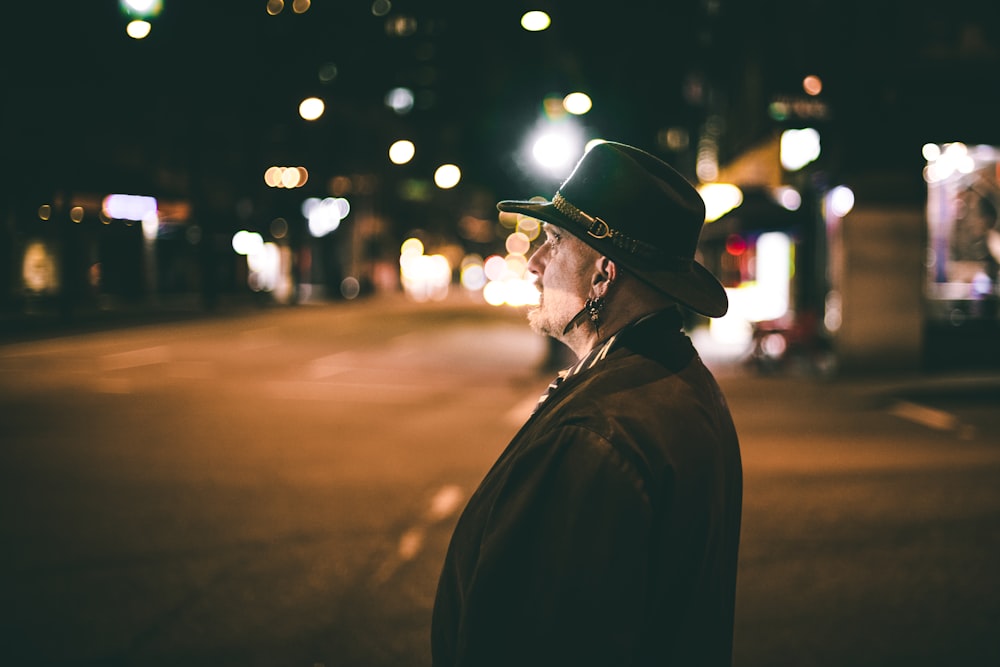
(599, 229)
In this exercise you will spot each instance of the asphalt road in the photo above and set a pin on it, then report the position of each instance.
(278, 487)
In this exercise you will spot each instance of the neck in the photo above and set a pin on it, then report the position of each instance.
(619, 313)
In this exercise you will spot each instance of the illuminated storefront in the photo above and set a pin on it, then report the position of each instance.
(961, 291)
(752, 249)
(963, 233)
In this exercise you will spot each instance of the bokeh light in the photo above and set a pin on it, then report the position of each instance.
(142, 8)
(447, 176)
(799, 148)
(812, 85)
(128, 207)
(577, 103)
(518, 243)
(401, 151)
(424, 277)
(473, 275)
(246, 242)
(311, 108)
(530, 227)
(788, 197)
(325, 215)
(840, 200)
(719, 198)
(535, 21)
(400, 100)
(552, 151)
(138, 29)
(286, 177)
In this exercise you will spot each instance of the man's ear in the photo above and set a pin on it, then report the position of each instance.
(606, 271)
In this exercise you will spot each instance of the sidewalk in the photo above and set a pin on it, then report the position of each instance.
(45, 320)
(874, 388)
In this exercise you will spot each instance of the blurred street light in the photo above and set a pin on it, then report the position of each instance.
(799, 148)
(138, 29)
(400, 100)
(401, 151)
(139, 11)
(311, 108)
(447, 176)
(788, 197)
(556, 146)
(577, 103)
(720, 198)
(812, 84)
(535, 21)
(325, 215)
(246, 242)
(128, 207)
(286, 177)
(142, 8)
(840, 200)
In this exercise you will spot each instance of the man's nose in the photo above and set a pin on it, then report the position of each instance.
(536, 262)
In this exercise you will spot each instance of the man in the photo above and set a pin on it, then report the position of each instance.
(607, 531)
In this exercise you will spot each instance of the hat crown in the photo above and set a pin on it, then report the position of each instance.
(642, 214)
(638, 195)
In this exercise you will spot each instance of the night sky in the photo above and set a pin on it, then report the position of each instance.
(212, 93)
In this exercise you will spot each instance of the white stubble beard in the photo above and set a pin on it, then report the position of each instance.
(548, 319)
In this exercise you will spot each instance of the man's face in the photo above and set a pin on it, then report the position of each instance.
(564, 269)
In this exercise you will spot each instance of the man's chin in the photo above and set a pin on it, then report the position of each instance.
(537, 321)
(541, 323)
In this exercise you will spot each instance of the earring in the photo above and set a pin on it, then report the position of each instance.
(592, 310)
(594, 306)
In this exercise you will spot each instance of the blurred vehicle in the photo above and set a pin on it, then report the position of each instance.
(794, 343)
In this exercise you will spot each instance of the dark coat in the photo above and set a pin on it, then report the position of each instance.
(607, 531)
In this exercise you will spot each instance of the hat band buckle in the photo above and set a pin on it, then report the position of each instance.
(598, 228)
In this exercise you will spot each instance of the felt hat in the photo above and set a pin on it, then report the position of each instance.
(639, 212)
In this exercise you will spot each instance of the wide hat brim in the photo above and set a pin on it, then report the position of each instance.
(693, 285)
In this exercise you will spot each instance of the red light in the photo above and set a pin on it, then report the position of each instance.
(736, 245)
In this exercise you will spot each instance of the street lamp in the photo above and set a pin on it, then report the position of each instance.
(799, 148)
(311, 108)
(140, 11)
(447, 176)
(556, 147)
(535, 21)
(401, 151)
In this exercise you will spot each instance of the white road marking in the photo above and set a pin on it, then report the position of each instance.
(938, 420)
(410, 543)
(443, 504)
(926, 416)
(331, 364)
(146, 356)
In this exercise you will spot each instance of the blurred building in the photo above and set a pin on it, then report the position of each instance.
(905, 279)
(195, 115)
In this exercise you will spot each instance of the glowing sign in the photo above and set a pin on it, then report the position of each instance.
(129, 207)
